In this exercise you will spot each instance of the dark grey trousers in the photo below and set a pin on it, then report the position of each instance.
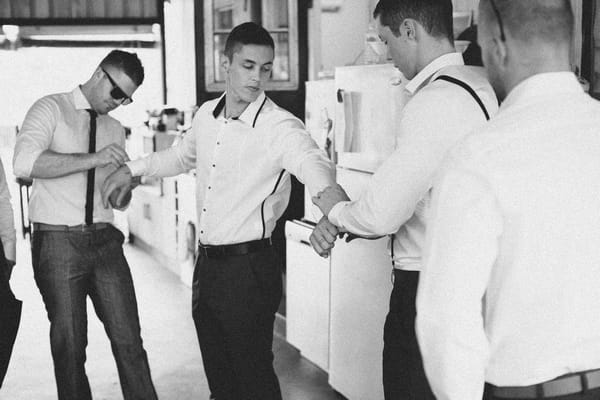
(69, 267)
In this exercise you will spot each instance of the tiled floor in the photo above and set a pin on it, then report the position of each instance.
(169, 339)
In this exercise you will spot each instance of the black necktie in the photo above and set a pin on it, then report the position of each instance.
(89, 198)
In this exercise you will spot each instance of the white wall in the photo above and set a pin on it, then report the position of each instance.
(343, 33)
(180, 50)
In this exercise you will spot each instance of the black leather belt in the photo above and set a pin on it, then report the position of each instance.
(37, 226)
(237, 249)
(561, 386)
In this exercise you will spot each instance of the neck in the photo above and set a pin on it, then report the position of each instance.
(86, 89)
(432, 50)
(234, 106)
(530, 63)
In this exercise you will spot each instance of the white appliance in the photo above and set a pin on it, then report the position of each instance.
(368, 99)
(367, 104)
(363, 102)
(307, 296)
(359, 297)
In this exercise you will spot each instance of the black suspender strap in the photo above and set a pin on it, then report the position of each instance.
(467, 88)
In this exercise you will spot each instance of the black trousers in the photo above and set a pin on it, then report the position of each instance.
(403, 374)
(70, 266)
(10, 316)
(233, 305)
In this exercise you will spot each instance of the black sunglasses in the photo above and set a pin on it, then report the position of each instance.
(499, 18)
(116, 92)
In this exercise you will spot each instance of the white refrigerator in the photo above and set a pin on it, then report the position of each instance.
(336, 307)
(367, 104)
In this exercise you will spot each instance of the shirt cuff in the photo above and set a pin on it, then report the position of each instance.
(137, 167)
(334, 213)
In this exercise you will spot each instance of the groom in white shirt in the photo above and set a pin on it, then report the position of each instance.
(509, 290)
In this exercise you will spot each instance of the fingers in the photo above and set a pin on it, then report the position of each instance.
(323, 237)
(107, 189)
(318, 247)
(113, 154)
(123, 194)
(327, 231)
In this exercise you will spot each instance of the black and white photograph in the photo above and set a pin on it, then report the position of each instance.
(299, 199)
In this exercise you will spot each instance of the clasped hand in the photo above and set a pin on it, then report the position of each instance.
(329, 197)
(121, 181)
(325, 233)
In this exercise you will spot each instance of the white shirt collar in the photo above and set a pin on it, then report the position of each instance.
(445, 60)
(549, 84)
(81, 103)
(248, 115)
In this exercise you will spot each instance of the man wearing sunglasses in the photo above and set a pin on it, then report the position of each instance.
(68, 144)
(509, 292)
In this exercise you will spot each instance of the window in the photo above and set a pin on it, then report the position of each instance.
(279, 17)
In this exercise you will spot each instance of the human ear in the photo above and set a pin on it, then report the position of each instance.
(408, 27)
(225, 64)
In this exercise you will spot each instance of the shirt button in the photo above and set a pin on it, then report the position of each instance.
(218, 143)
(213, 165)
(209, 187)
(201, 231)
(204, 209)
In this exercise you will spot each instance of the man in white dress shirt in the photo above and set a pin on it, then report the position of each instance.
(447, 101)
(76, 251)
(509, 291)
(243, 147)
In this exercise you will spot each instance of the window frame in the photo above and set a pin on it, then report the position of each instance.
(211, 85)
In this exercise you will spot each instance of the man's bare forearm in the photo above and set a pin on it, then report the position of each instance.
(55, 165)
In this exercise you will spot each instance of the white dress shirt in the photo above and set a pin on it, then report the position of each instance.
(60, 123)
(436, 117)
(7, 222)
(509, 293)
(242, 168)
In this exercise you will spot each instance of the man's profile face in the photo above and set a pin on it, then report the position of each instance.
(113, 82)
(248, 71)
(398, 49)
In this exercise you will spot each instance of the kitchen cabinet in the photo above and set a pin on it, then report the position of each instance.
(152, 219)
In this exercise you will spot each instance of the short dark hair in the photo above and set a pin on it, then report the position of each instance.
(434, 15)
(129, 63)
(247, 33)
(546, 20)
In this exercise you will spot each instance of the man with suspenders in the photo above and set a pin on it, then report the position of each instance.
(243, 147)
(448, 100)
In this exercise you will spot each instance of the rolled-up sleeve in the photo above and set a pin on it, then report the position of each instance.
(299, 154)
(7, 223)
(35, 136)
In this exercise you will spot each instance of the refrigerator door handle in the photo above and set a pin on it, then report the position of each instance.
(343, 137)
